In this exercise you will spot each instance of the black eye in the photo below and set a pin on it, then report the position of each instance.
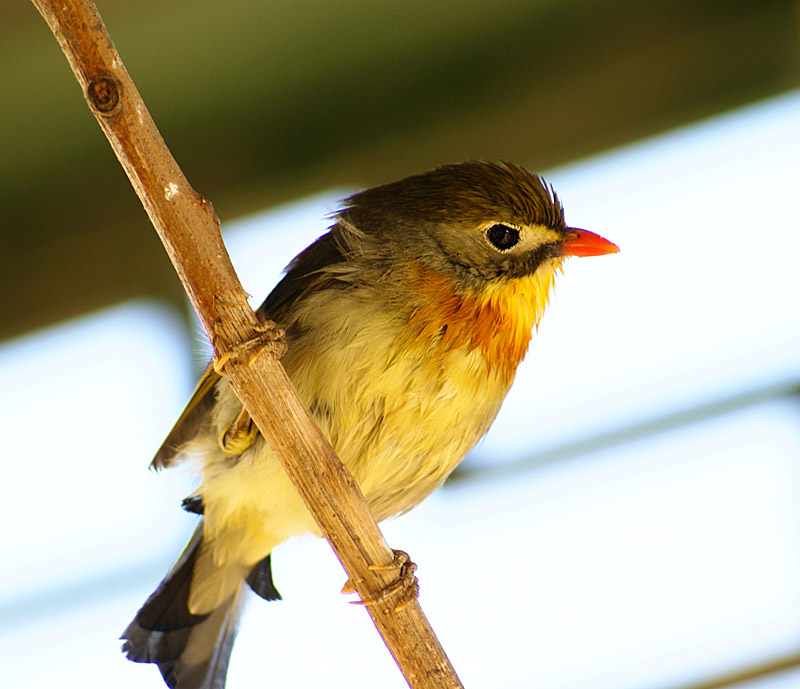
(502, 236)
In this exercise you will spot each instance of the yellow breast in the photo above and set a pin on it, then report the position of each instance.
(403, 394)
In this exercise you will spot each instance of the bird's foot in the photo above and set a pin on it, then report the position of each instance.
(265, 335)
(403, 591)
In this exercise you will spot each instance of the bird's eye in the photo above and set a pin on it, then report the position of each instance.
(503, 237)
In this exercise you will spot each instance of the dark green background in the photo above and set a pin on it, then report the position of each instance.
(261, 102)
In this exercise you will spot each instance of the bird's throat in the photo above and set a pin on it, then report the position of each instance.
(498, 320)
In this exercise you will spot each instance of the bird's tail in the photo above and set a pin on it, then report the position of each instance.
(192, 651)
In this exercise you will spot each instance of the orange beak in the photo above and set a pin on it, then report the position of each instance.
(585, 243)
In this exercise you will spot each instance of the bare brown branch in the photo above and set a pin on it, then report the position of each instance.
(189, 229)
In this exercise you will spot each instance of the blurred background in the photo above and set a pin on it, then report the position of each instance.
(631, 521)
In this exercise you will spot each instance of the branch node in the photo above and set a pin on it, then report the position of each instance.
(103, 94)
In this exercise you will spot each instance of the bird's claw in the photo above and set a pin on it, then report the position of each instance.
(404, 590)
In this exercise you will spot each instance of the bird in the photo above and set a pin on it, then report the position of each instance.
(405, 324)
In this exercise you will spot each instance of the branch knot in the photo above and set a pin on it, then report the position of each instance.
(103, 94)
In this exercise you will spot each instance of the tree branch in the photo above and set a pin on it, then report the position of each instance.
(189, 229)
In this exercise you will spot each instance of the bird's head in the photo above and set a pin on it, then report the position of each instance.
(477, 222)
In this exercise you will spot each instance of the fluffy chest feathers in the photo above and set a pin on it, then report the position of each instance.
(403, 391)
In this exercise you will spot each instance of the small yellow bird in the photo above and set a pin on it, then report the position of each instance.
(405, 325)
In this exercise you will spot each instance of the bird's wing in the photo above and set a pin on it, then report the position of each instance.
(189, 422)
(301, 275)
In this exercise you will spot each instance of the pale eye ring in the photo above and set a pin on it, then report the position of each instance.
(502, 237)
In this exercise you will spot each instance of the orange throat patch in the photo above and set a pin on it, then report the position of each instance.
(499, 320)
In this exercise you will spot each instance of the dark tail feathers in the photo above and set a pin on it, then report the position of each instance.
(192, 651)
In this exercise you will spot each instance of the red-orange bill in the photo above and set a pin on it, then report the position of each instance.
(585, 243)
